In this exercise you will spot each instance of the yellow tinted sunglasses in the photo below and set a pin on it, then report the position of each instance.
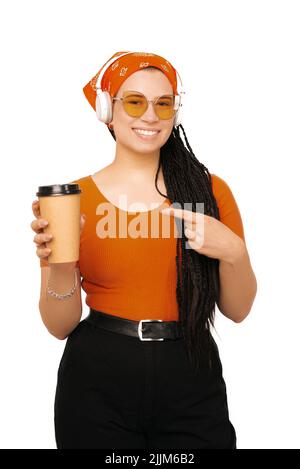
(136, 104)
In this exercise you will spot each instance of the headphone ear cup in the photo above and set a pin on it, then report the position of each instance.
(103, 106)
(177, 119)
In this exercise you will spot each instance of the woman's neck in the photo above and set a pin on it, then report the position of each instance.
(138, 167)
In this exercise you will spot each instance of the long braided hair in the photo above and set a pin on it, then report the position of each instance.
(198, 283)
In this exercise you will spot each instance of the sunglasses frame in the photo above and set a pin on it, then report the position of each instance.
(128, 93)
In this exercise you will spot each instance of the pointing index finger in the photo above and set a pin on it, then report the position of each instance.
(186, 215)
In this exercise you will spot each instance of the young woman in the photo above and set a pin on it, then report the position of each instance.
(142, 369)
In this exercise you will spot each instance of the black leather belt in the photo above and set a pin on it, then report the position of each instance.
(145, 329)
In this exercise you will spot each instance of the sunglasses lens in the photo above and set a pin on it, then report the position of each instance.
(165, 107)
(136, 104)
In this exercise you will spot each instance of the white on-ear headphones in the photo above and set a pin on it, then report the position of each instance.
(104, 102)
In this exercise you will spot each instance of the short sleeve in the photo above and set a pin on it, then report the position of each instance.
(43, 262)
(228, 208)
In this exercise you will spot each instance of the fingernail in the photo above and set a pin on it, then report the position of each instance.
(44, 223)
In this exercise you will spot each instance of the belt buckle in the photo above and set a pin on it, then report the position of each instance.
(140, 328)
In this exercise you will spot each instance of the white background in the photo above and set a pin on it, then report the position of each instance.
(239, 63)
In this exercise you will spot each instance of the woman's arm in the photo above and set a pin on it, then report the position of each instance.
(60, 316)
(238, 285)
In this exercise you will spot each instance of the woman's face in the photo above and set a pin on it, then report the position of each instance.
(152, 83)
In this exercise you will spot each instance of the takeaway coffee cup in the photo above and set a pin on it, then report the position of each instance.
(60, 206)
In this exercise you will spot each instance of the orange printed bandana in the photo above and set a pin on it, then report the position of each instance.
(122, 68)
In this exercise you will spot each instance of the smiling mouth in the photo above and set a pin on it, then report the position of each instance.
(145, 133)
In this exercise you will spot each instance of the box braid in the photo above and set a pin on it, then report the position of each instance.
(187, 180)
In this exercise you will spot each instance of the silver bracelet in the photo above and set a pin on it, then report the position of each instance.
(65, 295)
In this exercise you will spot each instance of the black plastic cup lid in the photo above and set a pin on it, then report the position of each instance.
(58, 189)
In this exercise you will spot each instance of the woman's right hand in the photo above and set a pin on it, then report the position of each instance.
(41, 238)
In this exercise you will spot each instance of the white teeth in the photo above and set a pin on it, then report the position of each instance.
(145, 132)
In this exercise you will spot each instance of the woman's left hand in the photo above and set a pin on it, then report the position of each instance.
(208, 236)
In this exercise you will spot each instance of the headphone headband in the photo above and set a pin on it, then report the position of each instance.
(105, 67)
(114, 59)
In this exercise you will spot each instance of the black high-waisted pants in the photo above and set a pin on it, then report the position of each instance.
(115, 391)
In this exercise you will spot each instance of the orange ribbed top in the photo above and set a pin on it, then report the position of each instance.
(135, 277)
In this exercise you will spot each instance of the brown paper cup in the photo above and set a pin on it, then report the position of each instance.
(60, 206)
